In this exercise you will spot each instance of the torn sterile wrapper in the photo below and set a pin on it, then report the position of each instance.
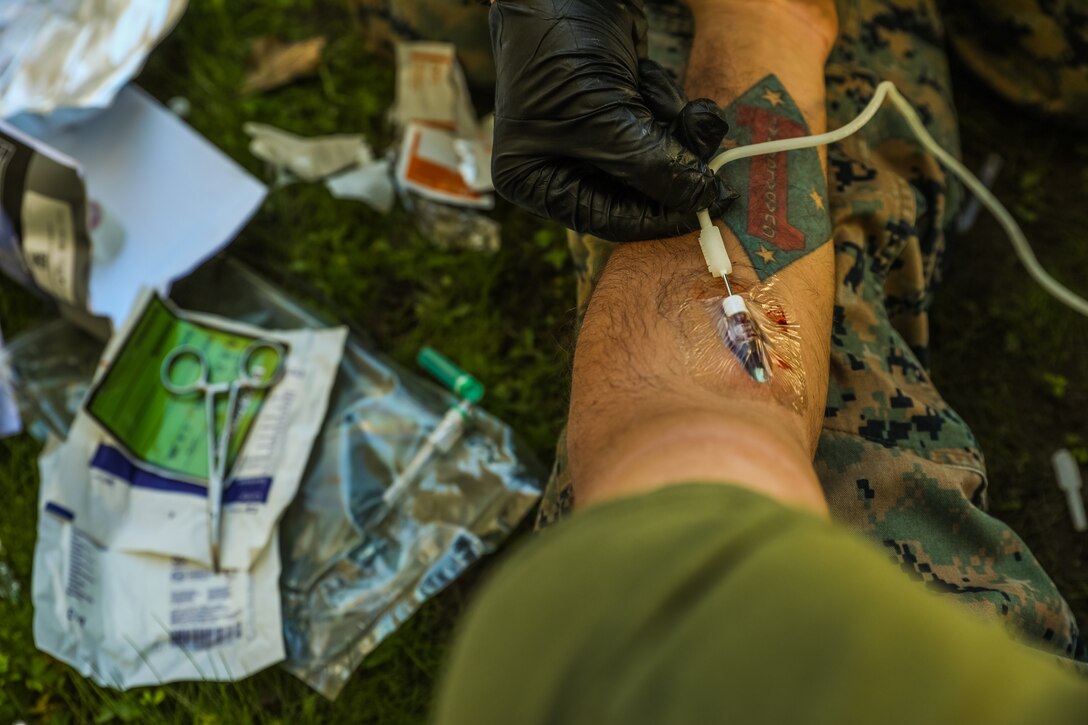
(126, 620)
(429, 165)
(431, 89)
(134, 470)
(176, 199)
(10, 422)
(474, 157)
(44, 243)
(75, 53)
(310, 159)
(372, 184)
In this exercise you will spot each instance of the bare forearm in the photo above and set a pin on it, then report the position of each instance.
(649, 405)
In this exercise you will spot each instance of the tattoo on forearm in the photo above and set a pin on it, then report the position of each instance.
(781, 214)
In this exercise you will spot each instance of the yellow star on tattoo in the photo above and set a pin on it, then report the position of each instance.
(772, 97)
(817, 199)
(765, 254)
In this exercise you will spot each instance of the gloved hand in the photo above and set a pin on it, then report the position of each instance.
(592, 134)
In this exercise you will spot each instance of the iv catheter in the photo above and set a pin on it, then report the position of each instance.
(713, 246)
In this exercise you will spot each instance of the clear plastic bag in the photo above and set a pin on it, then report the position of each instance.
(346, 584)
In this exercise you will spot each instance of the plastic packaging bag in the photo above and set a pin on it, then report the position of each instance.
(51, 370)
(10, 422)
(346, 588)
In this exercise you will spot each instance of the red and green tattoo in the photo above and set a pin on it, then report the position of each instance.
(783, 215)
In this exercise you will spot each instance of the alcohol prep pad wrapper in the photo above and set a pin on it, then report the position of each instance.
(134, 470)
(126, 620)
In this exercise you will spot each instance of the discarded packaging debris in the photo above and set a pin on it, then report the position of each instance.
(44, 244)
(107, 40)
(10, 422)
(450, 227)
(474, 157)
(429, 166)
(177, 198)
(346, 589)
(310, 159)
(372, 184)
(431, 89)
(51, 369)
(274, 63)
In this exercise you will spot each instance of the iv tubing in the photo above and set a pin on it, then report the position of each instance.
(710, 237)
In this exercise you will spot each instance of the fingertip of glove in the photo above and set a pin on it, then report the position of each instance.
(701, 127)
(726, 196)
(726, 192)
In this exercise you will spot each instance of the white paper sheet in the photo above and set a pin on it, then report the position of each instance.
(178, 198)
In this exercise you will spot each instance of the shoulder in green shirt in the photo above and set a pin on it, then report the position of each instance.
(710, 603)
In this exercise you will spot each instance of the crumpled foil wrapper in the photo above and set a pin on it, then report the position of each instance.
(75, 53)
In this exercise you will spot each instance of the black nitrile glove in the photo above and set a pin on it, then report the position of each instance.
(590, 133)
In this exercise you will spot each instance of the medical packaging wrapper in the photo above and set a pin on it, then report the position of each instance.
(123, 588)
(346, 587)
(44, 42)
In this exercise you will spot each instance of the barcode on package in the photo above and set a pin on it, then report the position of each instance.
(205, 638)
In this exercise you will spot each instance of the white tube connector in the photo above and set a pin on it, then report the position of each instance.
(713, 246)
(734, 304)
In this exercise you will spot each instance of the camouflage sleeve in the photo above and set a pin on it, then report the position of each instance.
(1033, 52)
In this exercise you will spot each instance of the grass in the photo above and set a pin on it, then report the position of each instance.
(1008, 358)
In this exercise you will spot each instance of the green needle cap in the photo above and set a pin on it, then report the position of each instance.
(453, 377)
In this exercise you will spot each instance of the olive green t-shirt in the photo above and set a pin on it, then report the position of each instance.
(710, 603)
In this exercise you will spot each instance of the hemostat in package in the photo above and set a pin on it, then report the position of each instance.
(136, 466)
(127, 584)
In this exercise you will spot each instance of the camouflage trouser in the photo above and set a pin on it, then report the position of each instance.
(897, 464)
(1033, 52)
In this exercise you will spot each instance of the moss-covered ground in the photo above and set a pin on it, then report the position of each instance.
(1007, 357)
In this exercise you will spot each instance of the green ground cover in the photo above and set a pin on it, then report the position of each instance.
(1008, 358)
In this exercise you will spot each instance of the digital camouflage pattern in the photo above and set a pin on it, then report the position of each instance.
(1033, 52)
(897, 464)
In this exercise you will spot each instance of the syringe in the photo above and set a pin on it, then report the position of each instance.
(446, 433)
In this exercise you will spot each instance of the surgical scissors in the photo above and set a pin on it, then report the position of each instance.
(251, 376)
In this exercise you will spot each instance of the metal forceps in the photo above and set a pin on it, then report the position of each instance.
(251, 376)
